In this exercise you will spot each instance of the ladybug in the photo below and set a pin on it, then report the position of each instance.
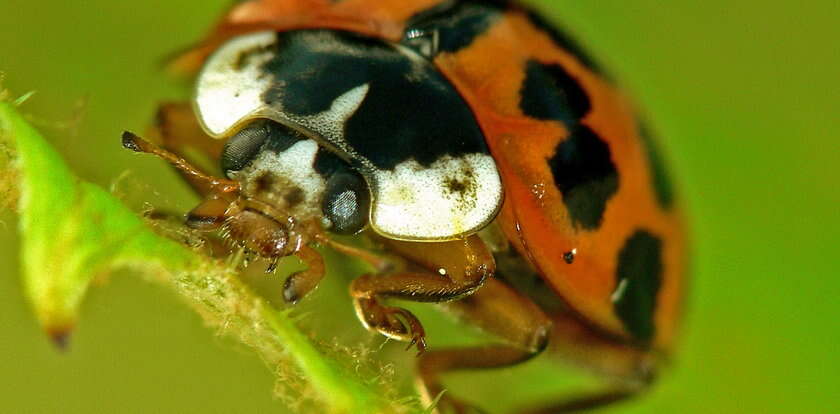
(468, 138)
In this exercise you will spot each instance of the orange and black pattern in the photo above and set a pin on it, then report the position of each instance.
(587, 200)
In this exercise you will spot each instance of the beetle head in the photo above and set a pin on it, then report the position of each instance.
(294, 177)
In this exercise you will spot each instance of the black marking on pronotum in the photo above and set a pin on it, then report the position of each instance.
(456, 24)
(550, 93)
(638, 280)
(564, 41)
(410, 110)
(659, 174)
(400, 120)
(569, 257)
(586, 176)
(308, 82)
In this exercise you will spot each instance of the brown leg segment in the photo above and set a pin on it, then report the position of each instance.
(379, 263)
(210, 215)
(584, 403)
(629, 370)
(302, 283)
(499, 310)
(525, 330)
(456, 269)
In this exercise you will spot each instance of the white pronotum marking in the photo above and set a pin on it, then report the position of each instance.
(230, 86)
(416, 203)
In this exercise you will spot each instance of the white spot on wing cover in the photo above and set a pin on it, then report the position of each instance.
(233, 82)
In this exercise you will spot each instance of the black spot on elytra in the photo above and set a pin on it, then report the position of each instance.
(550, 93)
(640, 272)
(585, 175)
(659, 175)
(564, 41)
(582, 165)
(456, 24)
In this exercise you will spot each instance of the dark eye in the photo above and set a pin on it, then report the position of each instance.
(346, 203)
(241, 148)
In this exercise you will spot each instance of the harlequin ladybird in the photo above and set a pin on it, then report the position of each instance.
(468, 137)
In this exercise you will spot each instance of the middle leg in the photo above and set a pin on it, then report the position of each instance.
(446, 271)
(521, 326)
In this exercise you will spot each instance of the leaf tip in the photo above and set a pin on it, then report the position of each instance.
(60, 337)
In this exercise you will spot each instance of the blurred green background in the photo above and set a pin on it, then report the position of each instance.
(746, 95)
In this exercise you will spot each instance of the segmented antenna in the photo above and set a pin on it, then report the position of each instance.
(218, 185)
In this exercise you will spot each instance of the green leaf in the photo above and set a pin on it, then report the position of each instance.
(73, 231)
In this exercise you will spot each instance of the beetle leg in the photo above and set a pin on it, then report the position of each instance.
(209, 215)
(585, 402)
(301, 283)
(379, 263)
(451, 270)
(526, 330)
(629, 369)
(498, 309)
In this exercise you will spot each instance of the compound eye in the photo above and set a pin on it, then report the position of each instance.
(346, 203)
(243, 147)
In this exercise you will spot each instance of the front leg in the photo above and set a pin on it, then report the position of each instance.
(300, 284)
(450, 270)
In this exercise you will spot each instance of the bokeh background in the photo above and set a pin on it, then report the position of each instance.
(745, 94)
